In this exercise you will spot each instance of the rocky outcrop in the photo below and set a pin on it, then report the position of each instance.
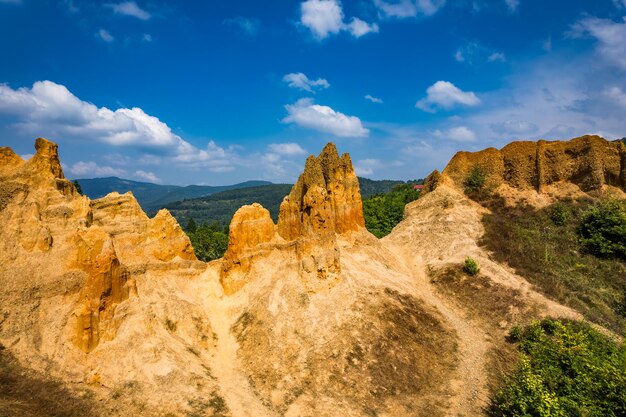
(590, 162)
(50, 231)
(324, 202)
(250, 230)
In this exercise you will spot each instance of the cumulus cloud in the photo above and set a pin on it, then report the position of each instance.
(52, 108)
(147, 176)
(301, 81)
(288, 149)
(249, 26)
(358, 27)
(306, 114)
(373, 99)
(458, 134)
(325, 17)
(445, 95)
(105, 35)
(130, 8)
(512, 5)
(409, 8)
(609, 35)
(91, 169)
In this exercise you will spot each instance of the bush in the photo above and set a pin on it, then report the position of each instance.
(566, 369)
(602, 230)
(471, 266)
(559, 214)
(475, 181)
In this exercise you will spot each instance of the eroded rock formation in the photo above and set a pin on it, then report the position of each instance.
(50, 232)
(590, 162)
(324, 202)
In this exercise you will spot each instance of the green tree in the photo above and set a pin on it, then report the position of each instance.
(191, 225)
(383, 212)
(78, 188)
(209, 241)
(602, 230)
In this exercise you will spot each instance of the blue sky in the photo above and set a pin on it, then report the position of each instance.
(217, 92)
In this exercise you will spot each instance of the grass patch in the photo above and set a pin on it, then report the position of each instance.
(543, 246)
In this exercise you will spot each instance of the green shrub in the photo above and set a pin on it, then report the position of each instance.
(566, 369)
(475, 181)
(559, 214)
(602, 230)
(471, 266)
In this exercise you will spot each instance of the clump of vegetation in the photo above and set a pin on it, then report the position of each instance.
(566, 369)
(471, 266)
(475, 182)
(551, 258)
(78, 188)
(559, 214)
(209, 241)
(603, 229)
(383, 212)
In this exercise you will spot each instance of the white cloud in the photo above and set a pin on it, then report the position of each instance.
(366, 166)
(91, 169)
(514, 127)
(302, 82)
(609, 35)
(497, 57)
(616, 94)
(547, 44)
(305, 113)
(409, 8)
(474, 53)
(445, 95)
(146, 37)
(105, 35)
(512, 5)
(458, 134)
(325, 17)
(288, 149)
(373, 99)
(249, 26)
(130, 8)
(51, 108)
(322, 17)
(358, 27)
(147, 176)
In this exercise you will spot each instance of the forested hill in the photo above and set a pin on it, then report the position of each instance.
(153, 197)
(220, 207)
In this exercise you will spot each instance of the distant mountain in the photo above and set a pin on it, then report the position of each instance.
(221, 206)
(153, 197)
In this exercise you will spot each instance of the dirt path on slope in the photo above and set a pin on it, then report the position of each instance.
(235, 386)
(469, 385)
